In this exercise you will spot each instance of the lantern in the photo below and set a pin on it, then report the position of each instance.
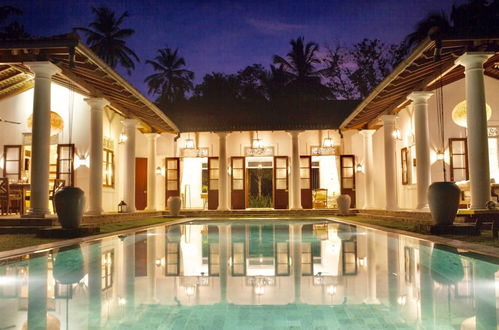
(122, 207)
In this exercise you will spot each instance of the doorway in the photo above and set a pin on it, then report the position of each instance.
(260, 171)
(140, 183)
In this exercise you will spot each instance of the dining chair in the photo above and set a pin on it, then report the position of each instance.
(10, 200)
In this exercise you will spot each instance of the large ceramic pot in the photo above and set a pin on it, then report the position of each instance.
(69, 203)
(443, 198)
(68, 265)
(343, 202)
(174, 203)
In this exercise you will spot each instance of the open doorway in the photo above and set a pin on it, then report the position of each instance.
(260, 182)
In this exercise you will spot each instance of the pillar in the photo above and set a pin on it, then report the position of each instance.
(476, 120)
(368, 168)
(151, 171)
(296, 244)
(130, 126)
(295, 171)
(390, 169)
(151, 264)
(40, 137)
(37, 290)
(423, 168)
(97, 105)
(95, 285)
(224, 240)
(372, 296)
(223, 199)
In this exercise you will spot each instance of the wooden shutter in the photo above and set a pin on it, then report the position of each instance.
(141, 253)
(282, 250)
(213, 182)
(238, 183)
(238, 249)
(404, 158)
(281, 182)
(458, 149)
(306, 181)
(172, 169)
(12, 162)
(172, 250)
(347, 166)
(65, 163)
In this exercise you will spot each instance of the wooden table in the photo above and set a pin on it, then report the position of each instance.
(23, 188)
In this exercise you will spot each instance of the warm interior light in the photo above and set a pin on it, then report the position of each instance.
(331, 290)
(123, 137)
(257, 143)
(189, 291)
(359, 168)
(459, 113)
(440, 155)
(363, 261)
(327, 143)
(259, 290)
(396, 134)
(189, 144)
(158, 170)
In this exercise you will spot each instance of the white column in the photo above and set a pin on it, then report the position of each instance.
(130, 127)
(372, 297)
(40, 137)
(423, 168)
(96, 157)
(477, 127)
(223, 199)
(390, 169)
(151, 171)
(368, 168)
(295, 171)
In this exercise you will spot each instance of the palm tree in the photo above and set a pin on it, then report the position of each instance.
(170, 81)
(300, 68)
(433, 23)
(14, 30)
(106, 38)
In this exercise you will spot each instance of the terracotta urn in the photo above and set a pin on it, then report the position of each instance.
(343, 202)
(443, 199)
(174, 203)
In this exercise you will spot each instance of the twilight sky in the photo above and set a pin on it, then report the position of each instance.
(225, 36)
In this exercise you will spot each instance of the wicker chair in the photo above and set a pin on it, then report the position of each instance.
(10, 200)
(58, 184)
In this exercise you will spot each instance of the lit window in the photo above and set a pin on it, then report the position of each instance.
(107, 260)
(108, 168)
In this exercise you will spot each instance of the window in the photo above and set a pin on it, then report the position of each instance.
(12, 162)
(108, 163)
(65, 163)
(404, 157)
(458, 150)
(107, 260)
(494, 153)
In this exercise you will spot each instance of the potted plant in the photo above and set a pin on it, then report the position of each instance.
(69, 204)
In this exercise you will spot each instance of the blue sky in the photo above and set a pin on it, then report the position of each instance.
(225, 36)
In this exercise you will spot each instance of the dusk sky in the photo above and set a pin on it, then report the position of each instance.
(225, 36)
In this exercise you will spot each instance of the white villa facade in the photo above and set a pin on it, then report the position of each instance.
(109, 140)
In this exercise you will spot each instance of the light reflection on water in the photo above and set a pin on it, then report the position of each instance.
(311, 274)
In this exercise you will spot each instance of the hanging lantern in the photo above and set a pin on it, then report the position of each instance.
(459, 113)
(56, 123)
(189, 143)
(328, 142)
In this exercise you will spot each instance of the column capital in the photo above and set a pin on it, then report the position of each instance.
(130, 122)
(43, 69)
(367, 132)
(419, 96)
(473, 60)
(152, 136)
(294, 133)
(222, 134)
(97, 103)
(388, 119)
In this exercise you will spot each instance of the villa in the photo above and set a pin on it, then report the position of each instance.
(69, 117)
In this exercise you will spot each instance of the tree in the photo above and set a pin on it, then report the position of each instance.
(300, 68)
(352, 73)
(251, 82)
(106, 38)
(218, 87)
(171, 81)
(13, 30)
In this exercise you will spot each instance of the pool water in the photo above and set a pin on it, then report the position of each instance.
(254, 274)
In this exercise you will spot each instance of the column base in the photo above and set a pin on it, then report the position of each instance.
(296, 208)
(94, 212)
(36, 213)
(371, 301)
(152, 209)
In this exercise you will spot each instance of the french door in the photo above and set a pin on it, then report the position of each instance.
(347, 171)
(172, 177)
(238, 192)
(305, 181)
(281, 182)
(213, 182)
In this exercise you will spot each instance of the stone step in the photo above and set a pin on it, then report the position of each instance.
(41, 222)
(19, 229)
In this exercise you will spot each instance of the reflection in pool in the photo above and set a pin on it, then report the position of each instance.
(263, 274)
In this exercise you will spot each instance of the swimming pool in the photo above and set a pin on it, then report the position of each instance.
(250, 274)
